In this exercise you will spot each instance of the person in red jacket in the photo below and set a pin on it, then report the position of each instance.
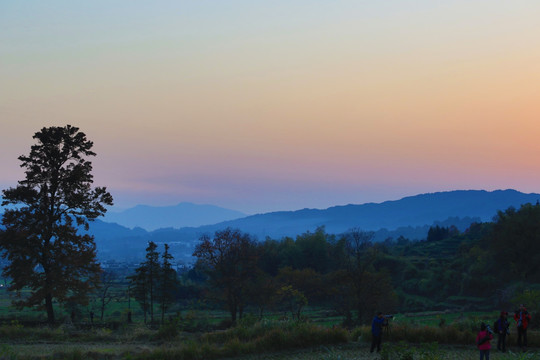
(483, 341)
(522, 319)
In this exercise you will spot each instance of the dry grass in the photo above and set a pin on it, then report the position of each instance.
(361, 352)
(350, 351)
(263, 340)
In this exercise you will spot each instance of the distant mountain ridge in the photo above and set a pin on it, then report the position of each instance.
(410, 217)
(182, 215)
(418, 210)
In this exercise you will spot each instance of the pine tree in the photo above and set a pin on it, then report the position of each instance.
(152, 268)
(145, 281)
(168, 282)
(46, 256)
(139, 288)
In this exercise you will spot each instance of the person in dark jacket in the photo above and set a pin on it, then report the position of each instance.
(501, 327)
(376, 331)
(522, 319)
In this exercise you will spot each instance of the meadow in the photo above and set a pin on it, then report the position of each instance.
(197, 335)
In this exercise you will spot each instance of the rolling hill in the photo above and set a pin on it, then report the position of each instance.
(178, 216)
(410, 217)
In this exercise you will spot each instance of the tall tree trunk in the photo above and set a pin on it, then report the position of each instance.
(50, 310)
(145, 310)
(233, 308)
(151, 297)
(162, 313)
(102, 309)
(240, 311)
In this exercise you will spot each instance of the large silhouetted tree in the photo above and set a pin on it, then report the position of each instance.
(47, 257)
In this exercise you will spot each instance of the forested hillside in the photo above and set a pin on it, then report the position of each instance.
(485, 267)
(409, 217)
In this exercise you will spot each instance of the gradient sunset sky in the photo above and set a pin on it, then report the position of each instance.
(278, 105)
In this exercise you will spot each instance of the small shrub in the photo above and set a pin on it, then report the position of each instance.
(6, 352)
(224, 324)
(362, 333)
(169, 330)
(520, 356)
(403, 351)
(192, 322)
(76, 354)
(248, 320)
(13, 331)
(442, 321)
(235, 347)
(429, 352)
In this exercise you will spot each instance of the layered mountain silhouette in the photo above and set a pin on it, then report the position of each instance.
(182, 215)
(410, 217)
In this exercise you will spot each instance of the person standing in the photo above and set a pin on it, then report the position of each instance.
(376, 332)
(483, 341)
(501, 328)
(522, 319)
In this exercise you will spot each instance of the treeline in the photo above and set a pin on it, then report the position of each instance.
(486, 267)
(489, 266)
(315, 268)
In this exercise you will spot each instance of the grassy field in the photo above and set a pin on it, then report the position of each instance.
(349, 351)
(196, 334)
(269, 339)
(361, 352)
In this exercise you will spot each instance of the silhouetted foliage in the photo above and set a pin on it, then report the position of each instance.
(46, 255)
(104, 293)
(168, 282)
(437, 233)
(146, 281)
(487, 264)
(230, 259)
(515, 242)
(140, 288)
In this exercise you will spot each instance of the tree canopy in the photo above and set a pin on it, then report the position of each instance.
(45, 252)
(230, 259)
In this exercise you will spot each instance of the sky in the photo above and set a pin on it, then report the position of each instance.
(278, 105)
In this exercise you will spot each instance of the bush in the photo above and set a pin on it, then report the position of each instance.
(450, 334)
(169, 330)
(259, 337)
(190, 350)
(6, 352)
(406, 351)
(362, 333)
(192, 322)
